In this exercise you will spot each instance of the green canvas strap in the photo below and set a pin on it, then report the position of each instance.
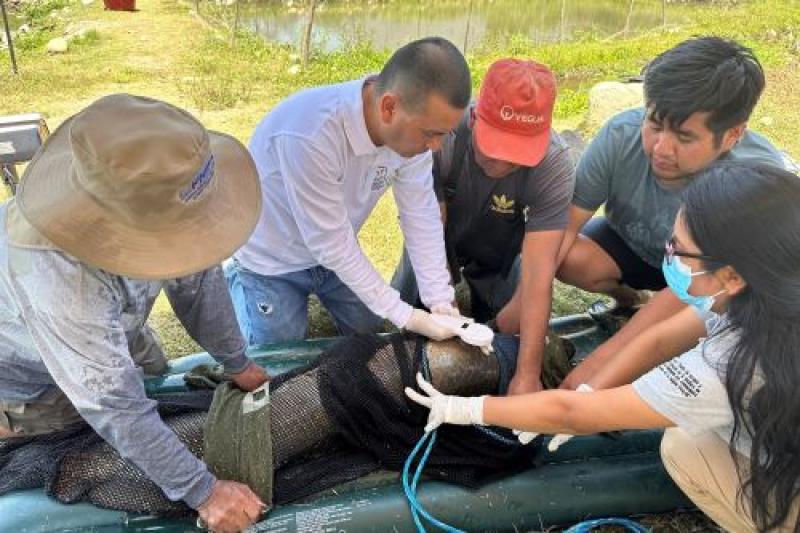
(238, 438)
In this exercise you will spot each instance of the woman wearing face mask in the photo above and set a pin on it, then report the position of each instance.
(722, 375)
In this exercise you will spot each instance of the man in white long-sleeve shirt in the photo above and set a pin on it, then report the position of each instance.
(325, 156)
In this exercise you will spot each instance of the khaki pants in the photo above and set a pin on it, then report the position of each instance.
(55, 412)
(703, 469)
(52, 413)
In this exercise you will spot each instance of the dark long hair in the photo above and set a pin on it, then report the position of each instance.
(748, 217)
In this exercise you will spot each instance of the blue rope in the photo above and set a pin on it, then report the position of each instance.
(496, 436)
(411, 489)
(409, 492)
(417, 509)
(588, 525)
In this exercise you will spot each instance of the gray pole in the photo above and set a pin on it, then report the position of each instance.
(309, 26)
(628, 18)
(235, 24)
(419, 16)
(466, 33)
(8, 38)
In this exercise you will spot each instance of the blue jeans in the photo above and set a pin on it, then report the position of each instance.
(275, 308)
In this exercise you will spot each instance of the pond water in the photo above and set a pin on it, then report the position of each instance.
(389, 23)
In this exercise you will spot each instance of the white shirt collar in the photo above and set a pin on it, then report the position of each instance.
(355, 126)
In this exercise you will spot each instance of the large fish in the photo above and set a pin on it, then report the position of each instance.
(458, 368)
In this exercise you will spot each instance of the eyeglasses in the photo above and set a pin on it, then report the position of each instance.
(671, 251)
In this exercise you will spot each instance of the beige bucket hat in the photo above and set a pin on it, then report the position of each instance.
(139, 188)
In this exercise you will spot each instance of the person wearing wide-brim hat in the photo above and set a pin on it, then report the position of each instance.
(128, 197)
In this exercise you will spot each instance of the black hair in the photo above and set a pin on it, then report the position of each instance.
(707, 74)
(746, 216)
(423, 67)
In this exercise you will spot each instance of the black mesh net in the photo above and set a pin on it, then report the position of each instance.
(332, 421)
(364, 378)
(77, 465)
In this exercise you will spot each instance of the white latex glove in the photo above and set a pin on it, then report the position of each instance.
(447, 309)
(467, 330)
(423, 323)
(446, 409)
(525, 436)
(487, 350)
(561, 438)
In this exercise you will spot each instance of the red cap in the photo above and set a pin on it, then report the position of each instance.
(515, 111)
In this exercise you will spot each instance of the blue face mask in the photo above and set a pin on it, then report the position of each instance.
(679, 279)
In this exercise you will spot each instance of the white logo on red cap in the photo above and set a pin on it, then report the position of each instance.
(507, 113)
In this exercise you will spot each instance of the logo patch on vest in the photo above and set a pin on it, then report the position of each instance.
(199, 183)
(502, 205)
(382, 178)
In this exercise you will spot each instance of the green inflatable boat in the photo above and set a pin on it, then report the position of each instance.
(591, 476)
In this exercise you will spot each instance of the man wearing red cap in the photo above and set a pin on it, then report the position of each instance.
(504, 181)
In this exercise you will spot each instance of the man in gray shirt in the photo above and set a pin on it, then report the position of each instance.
(504, 180)
(698, 98)
(128, 197)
